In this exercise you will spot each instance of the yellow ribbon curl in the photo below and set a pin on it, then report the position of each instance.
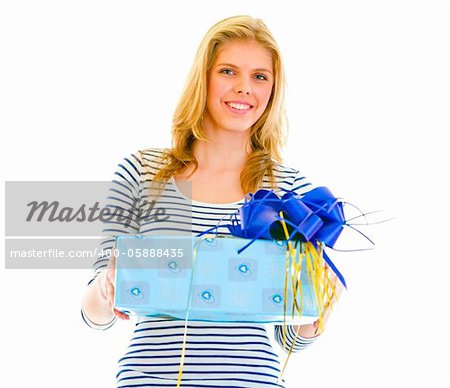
(318, 278)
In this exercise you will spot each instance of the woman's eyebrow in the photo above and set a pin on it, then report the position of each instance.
(231, 65)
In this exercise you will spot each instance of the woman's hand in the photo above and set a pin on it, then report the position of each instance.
(338, 287)
(106, 286)
(313, 329)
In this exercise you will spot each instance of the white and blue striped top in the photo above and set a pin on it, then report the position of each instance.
(217, 354)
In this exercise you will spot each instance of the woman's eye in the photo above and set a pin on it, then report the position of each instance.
(227, 71)
(261, 77)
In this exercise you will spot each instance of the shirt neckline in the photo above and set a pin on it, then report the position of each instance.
(175, 186)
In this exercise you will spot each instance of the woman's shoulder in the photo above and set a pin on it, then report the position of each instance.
(284, 169)
(290, 178)
(151, 153)
(150, 156)
(141, 163)
(150, 160)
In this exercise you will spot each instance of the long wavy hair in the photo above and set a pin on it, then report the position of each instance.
(267, 135)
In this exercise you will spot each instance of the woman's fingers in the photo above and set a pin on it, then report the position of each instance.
(112, 263)
(111, 280)
(120, 314)
(106, 285)
(110, 275)
(110, 287)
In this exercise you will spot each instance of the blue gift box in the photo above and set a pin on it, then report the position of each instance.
(156, 274)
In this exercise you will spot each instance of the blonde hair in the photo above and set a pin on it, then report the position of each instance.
(267, 135)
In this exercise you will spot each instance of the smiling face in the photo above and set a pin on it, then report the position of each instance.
(239, 86)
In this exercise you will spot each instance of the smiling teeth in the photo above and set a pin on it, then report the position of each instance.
(238, 106)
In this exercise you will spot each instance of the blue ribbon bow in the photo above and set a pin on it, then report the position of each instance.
(316, 216)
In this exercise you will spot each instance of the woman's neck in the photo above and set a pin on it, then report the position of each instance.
(219, 157)
(226, 151)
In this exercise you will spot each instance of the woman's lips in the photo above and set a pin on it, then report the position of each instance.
(238, 106)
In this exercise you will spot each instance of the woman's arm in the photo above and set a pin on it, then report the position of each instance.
(95, 308)
(97, 305)
(306, 334)
(307, 331)
(302, 338)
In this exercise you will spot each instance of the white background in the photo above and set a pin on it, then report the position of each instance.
(84, 84)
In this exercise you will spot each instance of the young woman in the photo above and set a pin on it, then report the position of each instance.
(227, 137)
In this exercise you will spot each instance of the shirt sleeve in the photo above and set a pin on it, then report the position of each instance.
(300, 342)
(301, 186)
(123, 202)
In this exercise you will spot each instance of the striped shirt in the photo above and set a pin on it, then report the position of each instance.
(217, 354)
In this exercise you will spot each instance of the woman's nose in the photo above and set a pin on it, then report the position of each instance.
(243, 86)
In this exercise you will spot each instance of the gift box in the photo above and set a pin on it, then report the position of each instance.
(206, 279)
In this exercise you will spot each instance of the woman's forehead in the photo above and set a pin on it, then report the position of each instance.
(244, 52)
